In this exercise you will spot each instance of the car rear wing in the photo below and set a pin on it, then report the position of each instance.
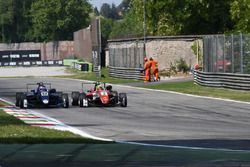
(29, 85)
(93, 83)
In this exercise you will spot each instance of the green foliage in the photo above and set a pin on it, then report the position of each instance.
(42, 20)
(14, 20)
(240, 15)
(109, 12)
(106, 26)
(177, 17)
(207, 17)
(191, 88)
(182, 66)
(57, 19)
(196, 48)
(130, 26)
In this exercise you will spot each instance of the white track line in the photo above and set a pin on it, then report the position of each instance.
(184, 94)
(165, 146)
(61, 126)
(183, 147)
(166, 91)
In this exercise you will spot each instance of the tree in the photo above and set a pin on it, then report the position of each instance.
(207, 17)
(96, 11)
(240, 15)
(7, 19)
(106, 10)
(109, 12)
(106, 26)
(130, 26)
(58, 19)
(14, 20)
(124, 7)
(182, 17)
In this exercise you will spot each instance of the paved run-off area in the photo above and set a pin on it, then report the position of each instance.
(32, 71)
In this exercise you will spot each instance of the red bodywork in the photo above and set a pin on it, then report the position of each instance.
(99, 96)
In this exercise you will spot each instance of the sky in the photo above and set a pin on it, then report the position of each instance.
(98, 3)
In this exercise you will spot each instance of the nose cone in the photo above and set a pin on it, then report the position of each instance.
(45, 101)
(105, 99)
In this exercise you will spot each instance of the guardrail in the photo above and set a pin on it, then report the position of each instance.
(223, 80)
(33, 63)
(126, 73)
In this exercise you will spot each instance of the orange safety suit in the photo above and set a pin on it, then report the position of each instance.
(155, 71)
(147, 66)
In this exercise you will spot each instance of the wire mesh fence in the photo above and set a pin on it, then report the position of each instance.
(227, 53)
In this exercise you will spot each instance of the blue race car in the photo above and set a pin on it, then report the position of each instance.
(41, 97)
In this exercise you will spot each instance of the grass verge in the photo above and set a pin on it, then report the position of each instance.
(76, 74)
(2, 104)
(190, 88)
(14, 130)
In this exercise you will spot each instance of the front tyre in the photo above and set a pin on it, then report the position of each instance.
(123, 99)
(83, 100)
(65, 100)
(23, 102)
(18, 97)
(75, 98)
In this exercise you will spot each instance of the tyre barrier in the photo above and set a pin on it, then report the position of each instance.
(126, 73)
(33, 63)
(222, 80)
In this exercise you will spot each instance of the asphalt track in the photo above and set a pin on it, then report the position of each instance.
(155, 118)
(151, 116)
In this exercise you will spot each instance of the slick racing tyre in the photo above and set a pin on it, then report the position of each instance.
(18, 97)
(65, 99)
(83, 100)
(116, 97)
(75, 98)
(23, 103)
(123, 99)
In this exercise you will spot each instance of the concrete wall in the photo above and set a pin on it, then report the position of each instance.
(49, 51)
(83, 44)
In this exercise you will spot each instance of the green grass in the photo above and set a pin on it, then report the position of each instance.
(190, 88)
(14, 130)
(2, 104)
(76, 74)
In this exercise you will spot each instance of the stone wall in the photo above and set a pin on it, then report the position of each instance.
(165, 50)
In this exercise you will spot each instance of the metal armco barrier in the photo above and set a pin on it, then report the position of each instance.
(223, 80)
(126, 73)
(33, 63)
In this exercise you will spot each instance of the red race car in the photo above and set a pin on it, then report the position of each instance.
(100, 95)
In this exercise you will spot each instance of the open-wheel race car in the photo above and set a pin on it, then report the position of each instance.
(42, 96)
(100, 95)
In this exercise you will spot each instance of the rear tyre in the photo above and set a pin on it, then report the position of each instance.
(75, 98)
(65, 99)
(123, 99)
(83, 100)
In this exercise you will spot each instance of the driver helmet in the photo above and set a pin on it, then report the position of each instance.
(98, 86)
(40, 84)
